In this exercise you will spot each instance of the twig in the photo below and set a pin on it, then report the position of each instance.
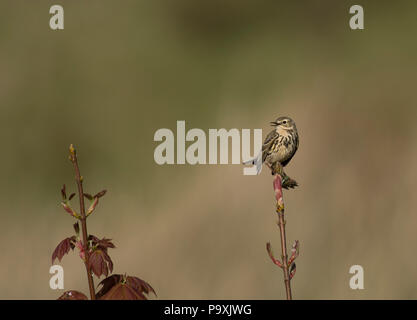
(79, 179)
(287, 265)
(281, 225)
(93, 251)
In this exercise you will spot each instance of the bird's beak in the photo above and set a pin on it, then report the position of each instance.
(274, 124)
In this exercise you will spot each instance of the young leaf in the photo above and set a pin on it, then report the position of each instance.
(73, 295)
(102, 244)
(68, 209)
(108, 283)
(271, 255)
(295, 250)
(119, 287)
(76, 228)
(293, 269)
(100, 263)
(63, 248)
(140, 285)
(100, 194)
(88, 196)
(63, 193)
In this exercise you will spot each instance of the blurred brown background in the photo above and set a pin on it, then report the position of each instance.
(121, 70)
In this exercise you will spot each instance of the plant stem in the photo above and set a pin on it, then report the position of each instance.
(281, 224)
(78, 178)
(284, 255)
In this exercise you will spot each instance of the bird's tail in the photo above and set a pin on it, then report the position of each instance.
(257, 162)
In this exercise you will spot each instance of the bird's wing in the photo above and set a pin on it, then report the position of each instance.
(267, 143)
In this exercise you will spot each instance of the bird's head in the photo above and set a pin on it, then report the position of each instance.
(285, 123)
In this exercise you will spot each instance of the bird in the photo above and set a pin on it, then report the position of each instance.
(280, 145)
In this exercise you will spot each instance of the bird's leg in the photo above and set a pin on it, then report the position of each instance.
(278, 169)
(287, 182)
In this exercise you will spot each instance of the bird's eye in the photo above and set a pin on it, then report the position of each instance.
(284, 122)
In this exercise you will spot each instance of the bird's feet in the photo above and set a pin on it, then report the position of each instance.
(287, 182)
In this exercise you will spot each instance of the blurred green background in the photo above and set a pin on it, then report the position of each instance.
(121, 70)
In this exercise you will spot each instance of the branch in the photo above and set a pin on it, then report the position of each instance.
(79, 179)
(286, 264)
(281, 224)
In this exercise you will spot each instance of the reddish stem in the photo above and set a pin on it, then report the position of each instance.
(78, 178)
(281, 223)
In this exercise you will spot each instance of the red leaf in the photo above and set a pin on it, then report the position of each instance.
(140, 285)
(76, 227)
(63, 193)
(100, 194)
(293, 269)
(119, 287)
(93, 239)
(108, 283)
(105, 243)
(73, 295)
(100, 263)
(271, 255)
(63, 248)
(294, 252)
(108, 260)
(122, 292)
(68, 209)
(88, 196)
(102, 244)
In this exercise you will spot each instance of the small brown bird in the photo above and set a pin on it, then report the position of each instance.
(280, 145)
